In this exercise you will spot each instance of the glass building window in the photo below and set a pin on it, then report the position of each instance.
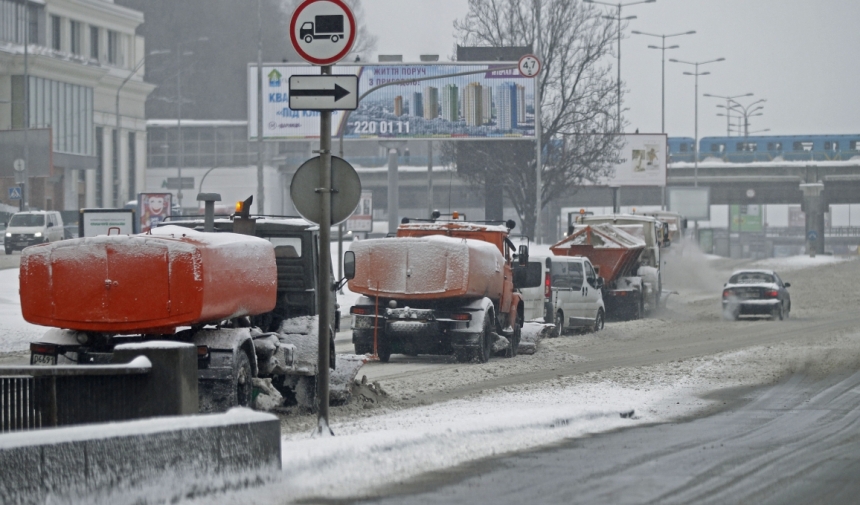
(100, 166)
(113, 47)
(19, 22)
(94, 42)
(75, 36)
(132, 167)
(56, 33)
(115, 179)
(65, 108)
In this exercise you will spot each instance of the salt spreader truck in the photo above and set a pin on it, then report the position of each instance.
(439, 287)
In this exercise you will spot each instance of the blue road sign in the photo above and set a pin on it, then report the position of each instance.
(15, 193)
(811, 235)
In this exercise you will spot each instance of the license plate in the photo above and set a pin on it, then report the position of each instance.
(21, 244)
(43, 359)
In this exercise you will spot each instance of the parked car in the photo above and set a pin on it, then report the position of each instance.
(31, 228)
(756, 292)
(570, 297)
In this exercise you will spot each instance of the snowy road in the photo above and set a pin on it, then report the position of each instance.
(793, 443)
(442, 417)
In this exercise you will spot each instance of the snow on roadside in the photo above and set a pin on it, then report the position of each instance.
(798, 262)
(393, 446)
(15, 333)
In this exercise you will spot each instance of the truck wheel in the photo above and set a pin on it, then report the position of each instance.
(559, 325)
(483, 352)
(242, 379)
(335, 38)
(309, 39)
(598, 321)
(383, 349)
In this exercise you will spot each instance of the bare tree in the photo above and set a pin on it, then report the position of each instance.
(578, 101)
(365, 42)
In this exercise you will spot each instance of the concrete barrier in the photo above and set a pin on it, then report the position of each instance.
(151, 461)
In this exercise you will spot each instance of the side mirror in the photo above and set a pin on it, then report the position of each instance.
(787, 284)
(50, 225)
(523, 255)
(349, 265)
(599, 283)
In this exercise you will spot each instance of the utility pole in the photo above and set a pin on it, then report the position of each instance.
(538, 153)
(261, 195)
(25, 194)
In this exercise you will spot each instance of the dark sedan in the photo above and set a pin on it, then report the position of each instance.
(756, 292)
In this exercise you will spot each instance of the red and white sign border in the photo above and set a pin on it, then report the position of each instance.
(322, 61)
(520, 65)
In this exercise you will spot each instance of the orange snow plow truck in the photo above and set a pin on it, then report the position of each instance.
(439, 287)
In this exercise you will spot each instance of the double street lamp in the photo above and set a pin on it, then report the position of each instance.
(179, 54)
(663, 48)
(618, 18)
(729, 100)
(696, 74)
(747, 112)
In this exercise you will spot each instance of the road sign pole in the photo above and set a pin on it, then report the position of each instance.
(325, 268)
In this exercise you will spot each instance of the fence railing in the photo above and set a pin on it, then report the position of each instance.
(33, 397)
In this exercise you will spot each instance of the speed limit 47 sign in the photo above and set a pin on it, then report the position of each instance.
(529, 65)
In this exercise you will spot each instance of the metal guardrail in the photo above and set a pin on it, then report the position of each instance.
(33, 397)
(797, 231)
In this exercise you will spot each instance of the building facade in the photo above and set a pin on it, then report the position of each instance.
(72, 102)
(450, 102)
(431, 102)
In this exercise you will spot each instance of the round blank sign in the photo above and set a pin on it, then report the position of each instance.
(346, 190)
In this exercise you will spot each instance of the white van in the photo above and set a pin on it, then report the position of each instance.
(570, 295)
(31, 228)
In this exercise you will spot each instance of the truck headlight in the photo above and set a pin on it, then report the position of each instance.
(37, 234)
(8, 234)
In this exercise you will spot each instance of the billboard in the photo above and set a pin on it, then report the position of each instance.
(153, 208)
(745, 218)
(642, 161)
(95, 222)
(362, 218)
(694, 203)
(490, 103)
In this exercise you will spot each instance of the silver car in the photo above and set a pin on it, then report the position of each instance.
(756, 292)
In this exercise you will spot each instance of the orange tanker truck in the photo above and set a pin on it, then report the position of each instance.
(438, 287)
(229, 294)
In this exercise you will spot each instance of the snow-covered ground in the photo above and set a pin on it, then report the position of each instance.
(15, 333)
(797, 262)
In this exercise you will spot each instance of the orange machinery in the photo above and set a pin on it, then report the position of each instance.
(610, 249)
(148, 284)
(442, 286)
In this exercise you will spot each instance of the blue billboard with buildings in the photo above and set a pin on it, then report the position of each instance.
(492, 102)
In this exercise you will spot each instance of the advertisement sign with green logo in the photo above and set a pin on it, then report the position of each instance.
(746, 218)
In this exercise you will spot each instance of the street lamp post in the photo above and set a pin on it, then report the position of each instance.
(747, 112)
(696, 74)
(663, 48)
(117, 200)
(179, 55)
(618, 18)
(729, 100)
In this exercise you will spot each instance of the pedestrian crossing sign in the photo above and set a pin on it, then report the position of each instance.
(15, 193)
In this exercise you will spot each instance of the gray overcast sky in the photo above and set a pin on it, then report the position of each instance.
(801, 55)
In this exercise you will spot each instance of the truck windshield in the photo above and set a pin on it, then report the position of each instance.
(287, 247)
(21, 220)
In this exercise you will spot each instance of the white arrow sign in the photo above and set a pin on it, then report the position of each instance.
(323, 92)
